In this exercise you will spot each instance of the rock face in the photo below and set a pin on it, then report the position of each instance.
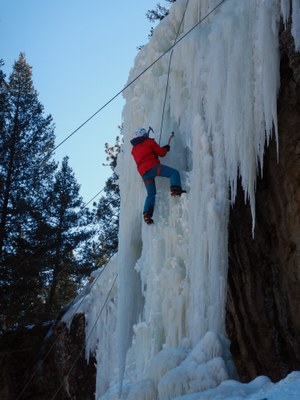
(263, 281)
(264, 271)
(37, 364)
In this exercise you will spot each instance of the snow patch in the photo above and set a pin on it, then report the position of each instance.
(169, 308)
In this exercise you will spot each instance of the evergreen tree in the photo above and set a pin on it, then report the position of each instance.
(159, 13)
(44, 227)
(26, 144)
(67, 230)
(108, 209)
(27, 138)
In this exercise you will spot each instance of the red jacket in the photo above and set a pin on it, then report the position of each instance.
(145, 152)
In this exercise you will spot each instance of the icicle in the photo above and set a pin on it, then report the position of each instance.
(285, 10)
(172, 281)
(296, 23)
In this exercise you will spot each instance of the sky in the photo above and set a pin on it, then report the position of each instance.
(81, 53)
(166, 289)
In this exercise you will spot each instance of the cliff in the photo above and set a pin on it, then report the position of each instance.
(263, 278)
(174, 279)
(43, 363)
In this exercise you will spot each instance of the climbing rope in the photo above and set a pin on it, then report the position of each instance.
(58, 336)
(169, 69)
(89, 335)
(139, 75)
(130, 83)
(76, 130)
(42, 246)
(21, 263)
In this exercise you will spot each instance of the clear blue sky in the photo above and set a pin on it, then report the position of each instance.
(81, 53)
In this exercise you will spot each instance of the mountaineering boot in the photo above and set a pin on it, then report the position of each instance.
(148, 218)
(176, 191)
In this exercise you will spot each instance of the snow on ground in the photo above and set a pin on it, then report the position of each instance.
(259, 389)
(168, 304)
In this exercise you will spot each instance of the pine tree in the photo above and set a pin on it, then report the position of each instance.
(27, 138)
(26, 144)
(45, 230)
(67, 231)
(108, 209)
(159, 13)
(156, 14)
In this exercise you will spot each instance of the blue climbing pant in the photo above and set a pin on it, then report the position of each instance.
(149, 181)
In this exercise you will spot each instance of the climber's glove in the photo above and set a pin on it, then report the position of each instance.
(167, 147)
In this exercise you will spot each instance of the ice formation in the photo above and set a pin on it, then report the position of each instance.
(168, 303)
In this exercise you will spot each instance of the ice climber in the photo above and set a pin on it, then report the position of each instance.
(145, 152)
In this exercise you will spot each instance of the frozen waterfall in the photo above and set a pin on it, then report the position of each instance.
(168, 305)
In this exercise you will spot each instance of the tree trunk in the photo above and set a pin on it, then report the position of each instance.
(57, 268)
(7, 184)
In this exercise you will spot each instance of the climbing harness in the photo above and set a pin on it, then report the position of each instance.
(127, 86)
(150, 129)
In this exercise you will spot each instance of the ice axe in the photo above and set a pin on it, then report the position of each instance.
(150, 130)
(170, 138)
